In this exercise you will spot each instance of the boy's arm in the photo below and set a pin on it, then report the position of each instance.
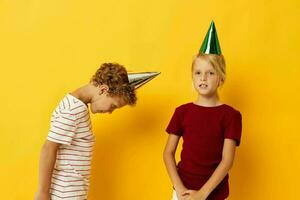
(219, 173)
(47, 162)
(170, 163)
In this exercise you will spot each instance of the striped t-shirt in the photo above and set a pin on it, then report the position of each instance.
(71, 127)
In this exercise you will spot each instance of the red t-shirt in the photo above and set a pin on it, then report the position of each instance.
(203, 130)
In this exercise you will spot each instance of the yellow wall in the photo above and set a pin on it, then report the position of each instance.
(49, 48)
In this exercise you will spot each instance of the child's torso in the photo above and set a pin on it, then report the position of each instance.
(73, 162)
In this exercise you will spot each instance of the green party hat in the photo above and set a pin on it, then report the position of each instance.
(211, 45)
(137, 79)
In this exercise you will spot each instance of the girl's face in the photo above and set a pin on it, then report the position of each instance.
(103, 103)
(205, 78)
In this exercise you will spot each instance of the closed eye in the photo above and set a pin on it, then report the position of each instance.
(112, 107)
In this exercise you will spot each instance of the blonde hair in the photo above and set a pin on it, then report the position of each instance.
(217, 61)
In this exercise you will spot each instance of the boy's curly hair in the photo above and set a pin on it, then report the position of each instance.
(115, 77)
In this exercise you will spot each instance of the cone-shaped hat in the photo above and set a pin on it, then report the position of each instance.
(140, 78)
(211, 45)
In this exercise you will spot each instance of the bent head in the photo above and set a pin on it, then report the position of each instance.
(113, 90)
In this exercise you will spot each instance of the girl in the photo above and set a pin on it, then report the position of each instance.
(210, 129)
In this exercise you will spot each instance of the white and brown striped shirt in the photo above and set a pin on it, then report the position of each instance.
(71, 127)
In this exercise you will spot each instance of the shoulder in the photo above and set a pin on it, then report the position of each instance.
(231, 112)
(71, 106)
(184, 106)
(182, 109)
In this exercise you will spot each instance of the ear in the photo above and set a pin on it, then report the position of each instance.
(103, 89)
(220, 82)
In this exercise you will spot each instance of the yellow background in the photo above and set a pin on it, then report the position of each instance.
(49, 48)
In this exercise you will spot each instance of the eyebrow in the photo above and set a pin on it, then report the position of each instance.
(210, 70)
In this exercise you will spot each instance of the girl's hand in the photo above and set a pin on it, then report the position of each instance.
(42, 196)
(195, 195)
(181, 194)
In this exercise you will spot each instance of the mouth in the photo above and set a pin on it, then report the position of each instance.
(203, 86)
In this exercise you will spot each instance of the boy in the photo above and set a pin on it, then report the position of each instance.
(65, 160)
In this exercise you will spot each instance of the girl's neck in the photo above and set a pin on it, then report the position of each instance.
(208, 101)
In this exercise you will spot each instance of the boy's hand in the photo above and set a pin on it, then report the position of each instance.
(195, 195)
(42, 196)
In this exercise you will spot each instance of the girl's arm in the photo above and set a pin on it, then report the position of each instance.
(170, 163)
(47, 161)
(219, 174)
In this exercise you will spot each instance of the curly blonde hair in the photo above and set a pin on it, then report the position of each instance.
(115, 77)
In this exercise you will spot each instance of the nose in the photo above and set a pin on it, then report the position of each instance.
(203, 77)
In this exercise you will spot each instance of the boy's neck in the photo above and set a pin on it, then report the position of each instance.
(84, 93)
(208, 101)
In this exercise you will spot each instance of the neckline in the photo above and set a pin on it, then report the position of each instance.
(68, 94)
(208, 107)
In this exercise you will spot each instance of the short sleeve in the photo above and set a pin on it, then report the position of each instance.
(175, 124)
(62, 128)
(233, 127)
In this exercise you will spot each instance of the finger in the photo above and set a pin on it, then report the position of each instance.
(184, 193)
(188, 192)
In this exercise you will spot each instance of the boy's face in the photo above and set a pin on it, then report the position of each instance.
(103, 103)
(205, 78)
